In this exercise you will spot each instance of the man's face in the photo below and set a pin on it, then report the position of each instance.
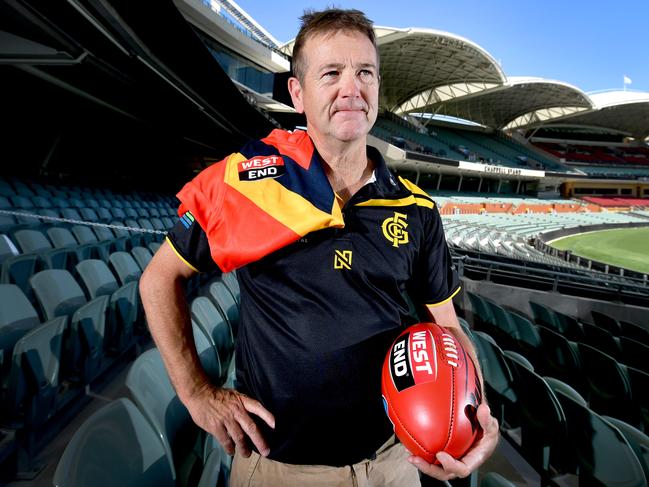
(340, 87)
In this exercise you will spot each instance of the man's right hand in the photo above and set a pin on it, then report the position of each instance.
(224, 414)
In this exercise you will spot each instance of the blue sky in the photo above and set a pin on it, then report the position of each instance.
(591, 45)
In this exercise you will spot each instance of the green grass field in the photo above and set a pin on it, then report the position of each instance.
(627, 248)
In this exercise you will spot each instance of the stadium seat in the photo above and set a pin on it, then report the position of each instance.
(142, 256)
(601, 339)
(21, 202)
(520, 359)
(609, 387)
(115, 446)
(71, 214)
(118, 213)
(607, 322)
(153, 247)
(545, 316)
(34, 376)
(41, 202)
(217, 329)
(633, 353)
(57, 292)
(528, 338)
(638, 441)
(7, 248)
(89, 215)
(17, 270)
(216, 471)
(207, 353)
(494, 479)
(124, 304)
(86, 340)
(602, 454)
(635, 332)
(222, 297)
(149, 385)
(499, 382)
(7, 223)
(230, 280)
(558, 385)
(31, 241)
(124, 266)
(561, 359)
(639, 383)
(542, 422)
(17, 317)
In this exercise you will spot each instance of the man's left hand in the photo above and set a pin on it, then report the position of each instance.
(450, 467)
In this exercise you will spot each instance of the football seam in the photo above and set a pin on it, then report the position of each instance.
(452, 425)
(406, 429)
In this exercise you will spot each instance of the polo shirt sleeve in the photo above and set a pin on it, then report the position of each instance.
(435, 280)
(189, 241)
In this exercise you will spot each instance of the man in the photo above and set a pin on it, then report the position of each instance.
(318, 313)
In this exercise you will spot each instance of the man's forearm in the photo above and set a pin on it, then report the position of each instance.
(445, 316)
(170, 325)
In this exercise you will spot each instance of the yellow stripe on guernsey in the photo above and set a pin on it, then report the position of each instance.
(418, 197)
(433, 305)
(285, 206)
(180, 256)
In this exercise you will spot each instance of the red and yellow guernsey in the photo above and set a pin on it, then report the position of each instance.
(261, 199)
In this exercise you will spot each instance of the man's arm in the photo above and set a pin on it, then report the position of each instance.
(444, 315)
(221, 412)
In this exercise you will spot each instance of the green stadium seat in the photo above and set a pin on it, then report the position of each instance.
(498, 379)
(125, 267)
(7, 248)
(86, 340)
(601, 339)
(558, 385)
(115, 446)
(57, 293)
(493, 479)
(520, 359)
(230, 280)
(638, 441)
(216, 471)
(635, 332)
(207, 354)
(217, 329)
(634, 353)
(542, 422)
(33, 379)
(31, 241)
(603, 455)
(561, 359)
(606, 322)
(609, 387)
(149, 385)
(142, 256)
(221, 296)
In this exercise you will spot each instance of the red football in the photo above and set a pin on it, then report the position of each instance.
(431, 392)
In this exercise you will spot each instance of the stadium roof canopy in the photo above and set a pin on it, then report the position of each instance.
(625, 111)
(420, 67)
(516, 102)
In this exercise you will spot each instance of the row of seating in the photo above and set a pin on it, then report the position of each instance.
(597, 382)
(555, 428)
(18, 187)
(177, 451)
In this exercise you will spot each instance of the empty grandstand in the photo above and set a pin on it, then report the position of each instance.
(109, 115)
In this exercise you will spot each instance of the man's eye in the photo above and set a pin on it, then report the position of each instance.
(366, 74)
(330, 74)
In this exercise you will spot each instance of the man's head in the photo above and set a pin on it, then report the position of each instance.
(336, 68)
(328, 22)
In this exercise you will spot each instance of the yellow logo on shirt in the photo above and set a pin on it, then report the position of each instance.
(343, 259)
(394, 229)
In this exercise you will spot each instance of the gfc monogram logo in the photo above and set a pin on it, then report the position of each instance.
(394, 229)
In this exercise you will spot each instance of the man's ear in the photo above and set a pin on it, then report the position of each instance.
(295, 89)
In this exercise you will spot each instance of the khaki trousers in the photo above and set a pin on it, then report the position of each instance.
(390, 468)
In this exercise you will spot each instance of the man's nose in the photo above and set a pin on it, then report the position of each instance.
(350, 85)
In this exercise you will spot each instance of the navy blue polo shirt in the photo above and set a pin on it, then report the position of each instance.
(318, 316)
